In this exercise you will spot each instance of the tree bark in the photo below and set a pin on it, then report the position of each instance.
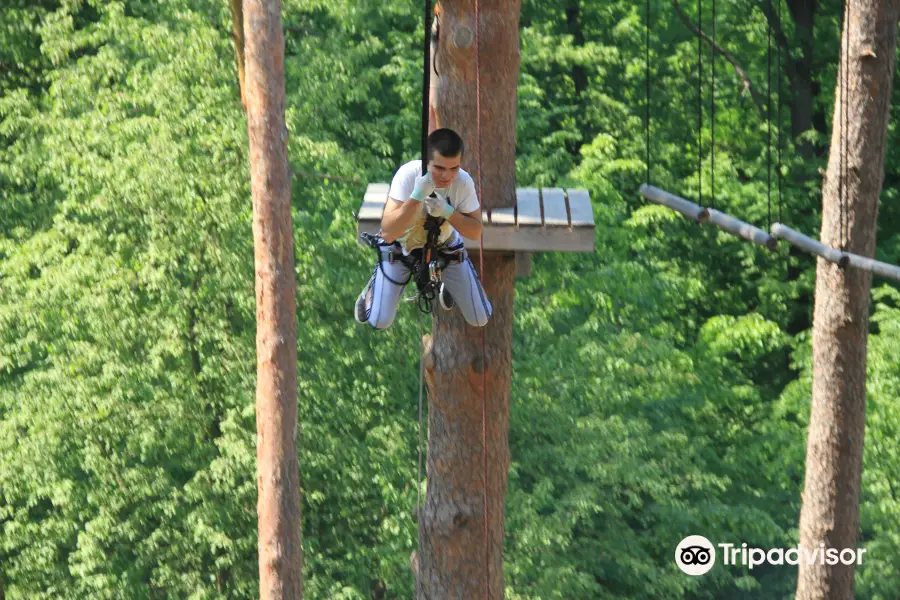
(237, 34)
(278, 505)
(830, 510)
(452, 532)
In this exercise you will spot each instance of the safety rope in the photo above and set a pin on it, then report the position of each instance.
(712, 170)
(780, 126)
(769, 122)
(418, 575)
(647, 82)
(484, 455)
(699, 103)
(843, 177)
(426, 88)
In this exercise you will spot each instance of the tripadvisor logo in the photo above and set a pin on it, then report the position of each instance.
(696, 555)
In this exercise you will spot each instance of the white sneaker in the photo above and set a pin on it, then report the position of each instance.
(361, 310)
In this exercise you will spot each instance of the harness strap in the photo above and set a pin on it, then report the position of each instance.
(424, 264)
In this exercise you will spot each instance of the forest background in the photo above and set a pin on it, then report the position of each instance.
(661, 385)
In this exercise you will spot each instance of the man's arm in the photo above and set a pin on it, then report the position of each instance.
(397, 218)
(467, 224)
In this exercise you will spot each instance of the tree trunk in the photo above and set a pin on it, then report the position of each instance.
(802, 85)
(237, 34)
(830, 511)
(452, 526)
(278, 506)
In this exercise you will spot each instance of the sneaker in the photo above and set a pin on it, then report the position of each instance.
(445, 298)
(361, 310)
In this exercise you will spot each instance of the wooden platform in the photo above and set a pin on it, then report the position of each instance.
(544, 220)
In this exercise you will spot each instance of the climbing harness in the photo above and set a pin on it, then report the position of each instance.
(425, 264)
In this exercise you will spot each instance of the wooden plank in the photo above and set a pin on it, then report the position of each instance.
(582, 213)
(503, 217)
(676, 203)
(535, 239)
(873, 266)
(378, 190)
(374, 202)
(555, 213)
(529, 207)
(742, 229)
(810, 245)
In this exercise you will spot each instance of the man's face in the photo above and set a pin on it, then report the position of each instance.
(444, 169)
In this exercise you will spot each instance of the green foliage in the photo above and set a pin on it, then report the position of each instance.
(661, 385)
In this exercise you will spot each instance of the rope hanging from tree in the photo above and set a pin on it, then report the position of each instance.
(426, 85)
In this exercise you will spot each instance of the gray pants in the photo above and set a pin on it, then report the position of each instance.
(461, 281)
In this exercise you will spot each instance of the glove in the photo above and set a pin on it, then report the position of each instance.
(424, 187)
(437, 207)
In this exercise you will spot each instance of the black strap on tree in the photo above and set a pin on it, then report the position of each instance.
(769, 120)
(712, 117)
(432, 224)
(842, 126)
(780, 125)
(426, 86)
(699, 103)
(647, 82)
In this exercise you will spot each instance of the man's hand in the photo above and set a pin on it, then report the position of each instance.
(437, 207)
(424, 187)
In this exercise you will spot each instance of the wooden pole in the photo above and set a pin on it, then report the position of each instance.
(278, 504)
(741, 229)
(689, 209)
(712, 216)
(810, 245)
(876, 267)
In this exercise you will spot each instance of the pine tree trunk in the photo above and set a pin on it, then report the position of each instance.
(278, 505)
(830, 511)
(452, 532)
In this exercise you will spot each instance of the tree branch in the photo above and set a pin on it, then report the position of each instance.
(327, 176)
(748, 84)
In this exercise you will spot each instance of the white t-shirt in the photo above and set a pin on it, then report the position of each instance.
(460, 194)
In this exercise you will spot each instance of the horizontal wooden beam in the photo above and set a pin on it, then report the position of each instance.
(810, 245)
(842, 259)
(686, 207)
(876, 267)
(742, 229)
(701, 214)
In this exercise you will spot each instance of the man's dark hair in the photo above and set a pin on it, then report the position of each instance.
(446, 142)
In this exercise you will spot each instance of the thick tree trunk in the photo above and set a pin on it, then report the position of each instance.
(830, 511)
(278, 506)
(452, 526)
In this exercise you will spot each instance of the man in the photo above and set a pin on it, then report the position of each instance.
(444, 191)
